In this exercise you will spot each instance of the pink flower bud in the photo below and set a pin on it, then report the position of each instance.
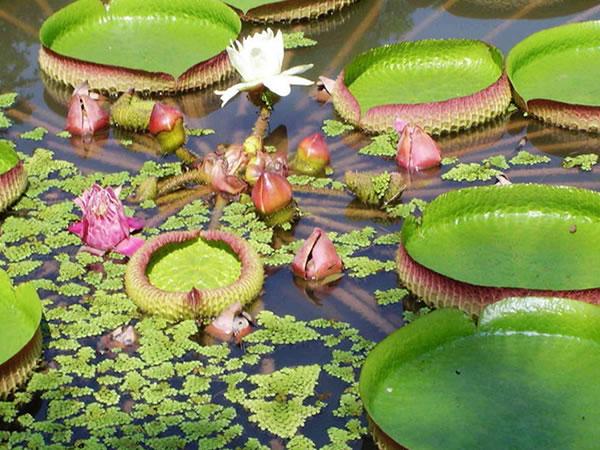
(416, 149)
(221, 180)
(166, 123)
(85, 115)
(313, 155)
(271, 193)
(317, 259)
(104, 226)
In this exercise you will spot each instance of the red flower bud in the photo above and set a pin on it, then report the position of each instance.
(317, 259)
(166, 123)
(271, 193)
(313, 155)
(416, 149)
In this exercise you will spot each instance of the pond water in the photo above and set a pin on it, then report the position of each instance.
(366, 24)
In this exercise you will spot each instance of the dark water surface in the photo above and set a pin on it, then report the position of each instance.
(367, 24)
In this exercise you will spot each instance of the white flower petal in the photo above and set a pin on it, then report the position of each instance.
(297, 70)
(279, 85)
(297, 80)
(227, 94)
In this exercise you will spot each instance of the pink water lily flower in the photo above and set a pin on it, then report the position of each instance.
(317, 259)
(416, 149)
(104, 226)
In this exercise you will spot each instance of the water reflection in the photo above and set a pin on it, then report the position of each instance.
(517, 9)
(561, 142)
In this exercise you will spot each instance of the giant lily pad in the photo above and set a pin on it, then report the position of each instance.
(441, 85)
(20, 317)
(193, 274)
(554, 73)
(149, 45)
(518, 236)
(523, 378)
(286, 10)
(13, 177)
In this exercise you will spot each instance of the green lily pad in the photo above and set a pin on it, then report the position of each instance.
(8, 157)
(20, 316)
(153, 36)
(561, 64)
(422, 72)
(196, 264)
(442, 85)
(285, 10)
(518, 236)
(523, 378)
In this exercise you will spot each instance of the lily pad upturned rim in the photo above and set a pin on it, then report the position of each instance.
(453, 113)
(516, 236)
(194, 304)
(430, 336)
(443, 292)
(21, 315)
(286, 10)
(112, 78)
(13, 181)
(571, 101)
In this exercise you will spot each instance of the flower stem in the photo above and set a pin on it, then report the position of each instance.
(178, 181)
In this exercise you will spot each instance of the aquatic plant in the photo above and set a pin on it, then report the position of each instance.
(104, 226)
(376, 87)
(20, 317)
(286, 10)
(444, 369)
(83, 42)
(193, 274)
(13, 175)
(317, 259)
(259, 61)
(376, 189)
(86, 116)
(273, 198)
(166, 123)
(312, 155)
(416, 149)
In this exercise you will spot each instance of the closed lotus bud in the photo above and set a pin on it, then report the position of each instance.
(271, 193)
(166, 123)
(85, 116)
(253, 144)
(318, 258)
(313, 155)
(416, 149)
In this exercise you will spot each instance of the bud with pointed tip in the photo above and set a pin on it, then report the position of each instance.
(313, 155)
(318, 258)
(166, 123)
(85, 115)
(271, 193)
(416, 149)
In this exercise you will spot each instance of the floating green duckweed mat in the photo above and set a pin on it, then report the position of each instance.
(20, 317)
(148, 45)
(518, 236)
(441, 85)
(554, 73)
(286, 10)
(522, 378)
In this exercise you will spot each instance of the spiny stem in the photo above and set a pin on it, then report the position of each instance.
(220, 203)
(178, 181)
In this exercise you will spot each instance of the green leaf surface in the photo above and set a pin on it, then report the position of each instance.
(559, 64)
(8, 156)
(247, 5)
(422, 72)
(520, 380)
(197, 263)
(20, 315)
(522, 236)
(151, 35)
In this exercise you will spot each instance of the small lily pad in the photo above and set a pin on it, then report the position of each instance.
(520, 379)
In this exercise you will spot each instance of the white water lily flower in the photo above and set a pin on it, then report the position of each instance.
(259, 60)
